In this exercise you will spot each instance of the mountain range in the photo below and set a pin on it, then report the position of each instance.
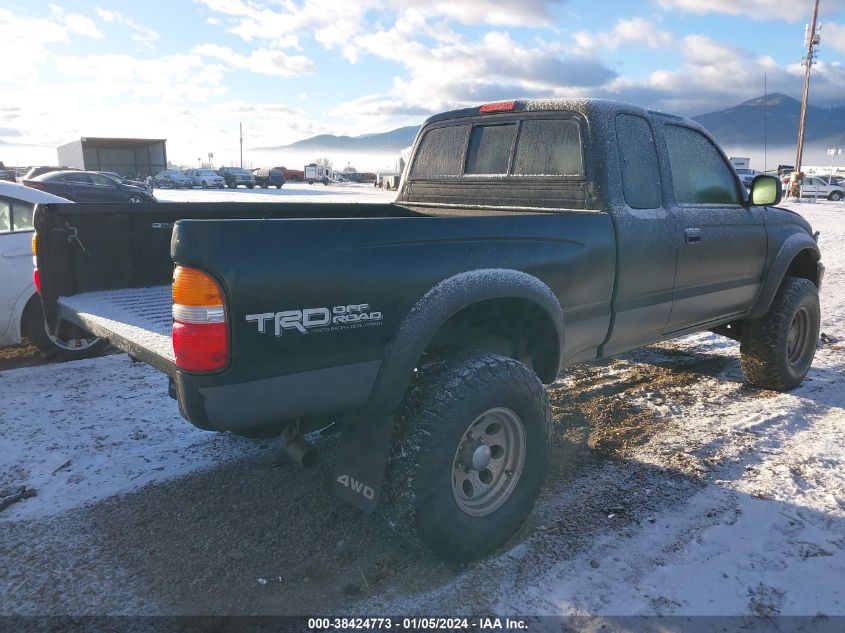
(773, 117)
(393, 141)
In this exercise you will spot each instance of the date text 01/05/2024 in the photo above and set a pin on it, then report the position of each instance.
(417, 623)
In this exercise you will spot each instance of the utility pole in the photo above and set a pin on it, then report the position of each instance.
(812, 40)
(765, 122)
(242, 125)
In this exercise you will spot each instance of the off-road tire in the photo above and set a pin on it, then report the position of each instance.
(446, 397)
(777, 350)
(35, 330)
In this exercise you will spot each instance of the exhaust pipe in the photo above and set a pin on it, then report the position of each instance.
(299, 450)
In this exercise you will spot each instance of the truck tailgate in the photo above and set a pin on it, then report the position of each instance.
(136, 320)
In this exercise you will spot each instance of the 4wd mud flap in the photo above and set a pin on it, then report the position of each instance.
(361, 461)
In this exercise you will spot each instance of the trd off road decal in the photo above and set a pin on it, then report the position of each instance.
(310, 320)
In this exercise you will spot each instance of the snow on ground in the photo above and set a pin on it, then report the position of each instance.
(82, 431)
(290, 192)
(718, 499)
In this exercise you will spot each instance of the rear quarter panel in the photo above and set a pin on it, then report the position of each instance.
(268, 266)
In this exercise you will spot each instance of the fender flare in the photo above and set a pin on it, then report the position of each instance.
(789, 250)
(435, 308)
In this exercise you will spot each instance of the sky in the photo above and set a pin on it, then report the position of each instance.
(191, 71)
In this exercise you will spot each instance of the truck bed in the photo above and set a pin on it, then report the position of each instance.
(137, 320)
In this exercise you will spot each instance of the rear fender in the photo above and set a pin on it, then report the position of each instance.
(435, 308)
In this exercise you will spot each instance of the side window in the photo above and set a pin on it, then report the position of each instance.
(699, 173)
(15, 216)
(549, 147)
(490, 149)
(638, 159)
(80, 178)
(5, 216)
(21, 216)
(440, 153)
(102, 181)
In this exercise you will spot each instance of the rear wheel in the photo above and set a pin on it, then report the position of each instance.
(777, 350)
(250, 186)
(70, 344)
(278, 186)
(471, 456)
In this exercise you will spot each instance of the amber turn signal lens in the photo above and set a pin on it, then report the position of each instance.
(192, 287)
(35, 243)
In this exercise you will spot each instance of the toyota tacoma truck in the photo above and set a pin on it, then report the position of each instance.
(527, 236)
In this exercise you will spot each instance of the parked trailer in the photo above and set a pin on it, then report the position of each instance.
(316, 173)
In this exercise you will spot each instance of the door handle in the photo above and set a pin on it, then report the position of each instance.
(692, 235)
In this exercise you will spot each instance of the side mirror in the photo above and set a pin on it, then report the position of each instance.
(765, 190)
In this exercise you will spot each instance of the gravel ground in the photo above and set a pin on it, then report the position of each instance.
(674, 489)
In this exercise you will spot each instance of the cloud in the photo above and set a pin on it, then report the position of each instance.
(787, 10)
(9, 113)
(700, 84)
(452, 74)
(172, 79)
(75, 23)
(632, 31)
(262, 61)
(833, 36)
(144, 36)
(334, 25)
(30, 39)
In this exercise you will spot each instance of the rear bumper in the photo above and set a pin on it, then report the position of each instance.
(213, 404)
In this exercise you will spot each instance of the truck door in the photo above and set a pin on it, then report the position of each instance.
(645, 244)
(721, 243)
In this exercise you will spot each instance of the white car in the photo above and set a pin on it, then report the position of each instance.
(20, 307)
(206, 178)
(747, 175)
(814, 187)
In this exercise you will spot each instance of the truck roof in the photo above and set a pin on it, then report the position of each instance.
(586, 106)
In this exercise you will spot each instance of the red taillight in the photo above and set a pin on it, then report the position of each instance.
(34, 184)
(498, 106)
(200, 332)
(36, 279)
(201, 347)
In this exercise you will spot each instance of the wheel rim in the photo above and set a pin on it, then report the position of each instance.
(799, 334)
(135, 199)
(488, 462)
(79, 344)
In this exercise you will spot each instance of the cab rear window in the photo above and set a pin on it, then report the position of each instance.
(490, 148)
(531, 147)
(549, 147)
(440, 153)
